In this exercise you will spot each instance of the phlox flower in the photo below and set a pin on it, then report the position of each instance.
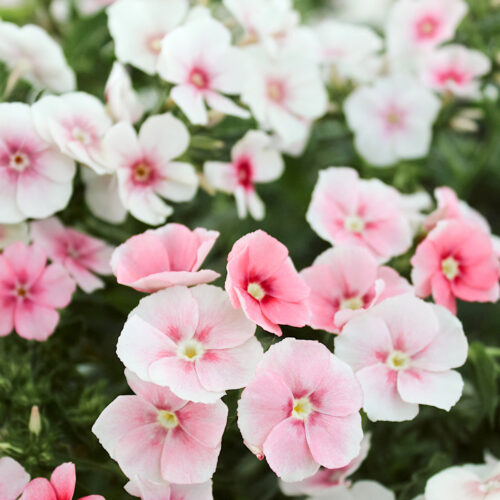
(164, 257)
(30, 53)
(159, 437)
(30, 292)
(138, 28)
(153, 490)
(199, 60)
(13, 479)
(403, 352)
(345, 281)
(466, 482)
(372, 12)
(11, 233)
(455, 69)
(146, 168)
(285, 93)
(300, 410)
(76, 124)
(392, 120)
(254, 160)
(35, 179)
(191, 341)
(347, 210)
(60, 487)
(360, 490)
(262, 280)
(457, 259)
(81, 255)
(122, 100)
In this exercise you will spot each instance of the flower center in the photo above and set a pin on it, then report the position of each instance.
(19, 161)
(302, 408)
(168, 419)
(354, 303)
(155, 44)
(142, 172)
(82, 136)
(276, 91)
(450, 268)
(244, 172)
(256, 291)
(426, 27)
(21, 291)
(490, 486)
(199, 78)
(398, 360)
(190, 350)
(354, 224)
(73, 253)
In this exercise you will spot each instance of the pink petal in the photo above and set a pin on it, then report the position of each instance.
(25, 261)
(34, 322)
(39, 489)
(160, 281)
(54, 288)
(286, 284)
(285, 313)
(87, 281)
(7, 312)
(442, 293)
(63, 480)
(455, 483)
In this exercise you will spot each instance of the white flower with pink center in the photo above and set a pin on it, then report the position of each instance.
(30, 53)
(159, 437)
(192, 341)
(12, 233)
(36, 180)
(146, 168)
(404, 352)
(347, 210)
(201, 63)
(75, 123)
(81, 255)
(138, 28)
(392, 120)
(455, 69)
(254, 161)
(285, 94)
(13, 478)
(156, 490)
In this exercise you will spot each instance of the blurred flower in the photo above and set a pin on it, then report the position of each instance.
(253, 161)
(153, 490)
(347, 210)
(392, 120)
(138, 28)
(199, 59)
(145, 167)
(301, 410)
(373, 12)
(157, 436)
(262, 280)
(198, 345)
(89, 7)
(35, 422)
(10, 233)
(360, 490)
(13, 479)
(35, 179)
(123, 102)
(31, 292)
(81, 255)
(345, 281)
(164, 257)
(406, 359)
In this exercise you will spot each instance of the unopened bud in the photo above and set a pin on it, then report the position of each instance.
(463, 124)
(35, 423)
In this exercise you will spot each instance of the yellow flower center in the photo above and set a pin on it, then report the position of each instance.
(354, 224)
(450, 268)
(82, 136)
(353, 303)
(256, 291)
(168, 419)
(190, 350)
(398, 360)
(302, 408)
(142, 172)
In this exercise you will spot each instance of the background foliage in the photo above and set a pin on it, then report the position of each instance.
(75, 374)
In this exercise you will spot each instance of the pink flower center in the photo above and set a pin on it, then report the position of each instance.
(302, 408)
(244, 172)
(398, 360)
(451, 75)
(427, 27)
(276, 91)
(394, 118)
(199, 78)
(354, 224)
(21, 291)
(493, 485)
(168, 419)
(73, 252)
(154, 43)
(143, 173)
(19, 161)
(190, 350)
(450, 268)
(81, 135)
(256, 291)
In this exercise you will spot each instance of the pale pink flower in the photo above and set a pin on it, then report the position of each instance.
(35, 179)
(328, 481)
(30, 292)
(456, 260)
(11, 233)
(254, 161)
(415, 26)
(81, 255)
(146, 168)
(164, 257)
(60, 487)
(154, 490)
(199, 59)
(122, 100)
(301, 410)
(76, 123)
(13, 479)
(192, 341)
(466, 482)
(392, 120)
(403, 352)
(262, 280)
(159, 437)
(454, 69)
(360, 490)
(345, 281)
(138, 28)
(30, 53)
(286, 93)
(347, 210)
